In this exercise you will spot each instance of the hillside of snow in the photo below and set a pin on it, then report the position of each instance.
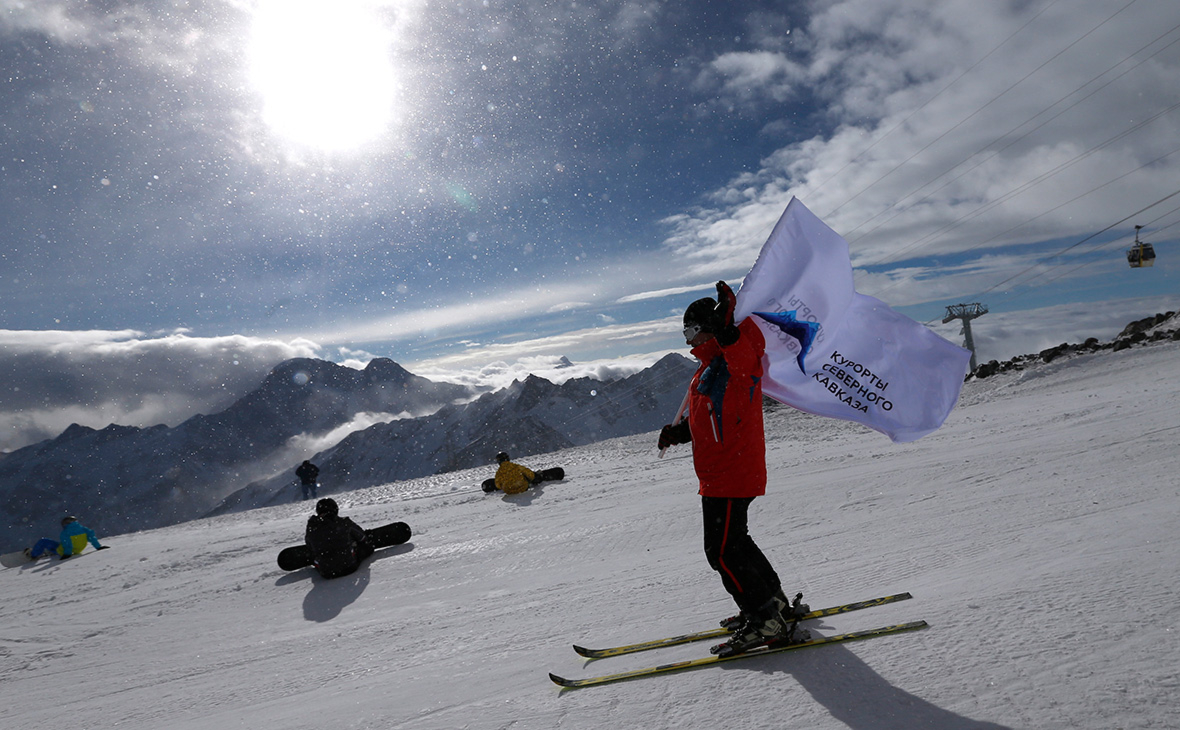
(1037, 532)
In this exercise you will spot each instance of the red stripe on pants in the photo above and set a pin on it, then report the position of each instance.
(724, 545)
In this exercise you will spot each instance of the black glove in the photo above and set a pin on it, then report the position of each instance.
(726, 332)
(723, 316)
(726, 303)
(671, 435)
(489, 485)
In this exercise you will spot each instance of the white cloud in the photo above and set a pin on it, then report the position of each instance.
(661, 293)
(94, 378)
(502, 373)
(566, 307)
(955, 128)
(611, 282)
(305, 443)
(754, 74)
(498, 307)
(498, 364)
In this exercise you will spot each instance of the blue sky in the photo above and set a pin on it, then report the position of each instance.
(193, 191)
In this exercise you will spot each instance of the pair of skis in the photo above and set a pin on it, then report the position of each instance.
(718, 633)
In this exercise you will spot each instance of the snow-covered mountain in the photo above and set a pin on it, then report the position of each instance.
(532, 416)
(1036, 531)
(126, 478)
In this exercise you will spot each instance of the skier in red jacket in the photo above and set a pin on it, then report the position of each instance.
(724, 425)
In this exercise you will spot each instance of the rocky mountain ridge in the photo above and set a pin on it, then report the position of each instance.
(533, 416)
(1161, 326)
(126, 478)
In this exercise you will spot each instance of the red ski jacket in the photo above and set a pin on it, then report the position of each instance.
(725, 416)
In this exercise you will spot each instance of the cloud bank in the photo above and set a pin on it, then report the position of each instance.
(94, 378)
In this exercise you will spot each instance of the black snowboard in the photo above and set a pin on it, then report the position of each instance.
(556, 474)
(299, 556)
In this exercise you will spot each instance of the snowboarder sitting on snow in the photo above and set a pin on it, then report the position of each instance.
(338, 545)
(513, 478)
(724, 426)
(73, 539)
(307, 473)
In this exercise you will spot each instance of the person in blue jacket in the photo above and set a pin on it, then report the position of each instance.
(74, 537)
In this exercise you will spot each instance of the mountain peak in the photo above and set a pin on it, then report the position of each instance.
(72, 432)
(382, 368)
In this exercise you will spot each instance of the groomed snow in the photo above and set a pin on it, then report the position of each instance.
(1037, 531)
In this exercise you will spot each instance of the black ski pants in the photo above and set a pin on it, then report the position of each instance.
(360, 551)
(745, 571)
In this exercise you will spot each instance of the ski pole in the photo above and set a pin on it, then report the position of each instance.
(679, 414)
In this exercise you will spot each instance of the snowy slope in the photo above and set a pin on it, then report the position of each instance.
(1037, 531)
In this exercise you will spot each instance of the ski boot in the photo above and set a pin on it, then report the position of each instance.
(790, 610)
(764, 626)
(735, 622)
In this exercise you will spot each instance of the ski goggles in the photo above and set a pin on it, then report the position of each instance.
(691, 331)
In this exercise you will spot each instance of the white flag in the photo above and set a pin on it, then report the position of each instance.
(864, 362)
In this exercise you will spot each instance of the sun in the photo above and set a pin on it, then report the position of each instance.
(324, 71)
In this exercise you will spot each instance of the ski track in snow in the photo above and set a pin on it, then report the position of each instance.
(1036, 531)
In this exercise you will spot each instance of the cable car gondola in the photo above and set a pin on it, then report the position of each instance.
(1140, 254)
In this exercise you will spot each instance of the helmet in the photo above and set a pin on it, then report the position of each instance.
(701, 313)
(67, 520)
(327, 508)
(501, 457)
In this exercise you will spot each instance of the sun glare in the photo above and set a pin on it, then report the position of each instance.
(324, 71)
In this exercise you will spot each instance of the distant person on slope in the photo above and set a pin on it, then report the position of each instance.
(724, 426)
(73, 538)
(513, 478)
(307, 473)
(338, 545)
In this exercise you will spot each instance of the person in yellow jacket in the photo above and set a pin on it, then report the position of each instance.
(513, 478)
